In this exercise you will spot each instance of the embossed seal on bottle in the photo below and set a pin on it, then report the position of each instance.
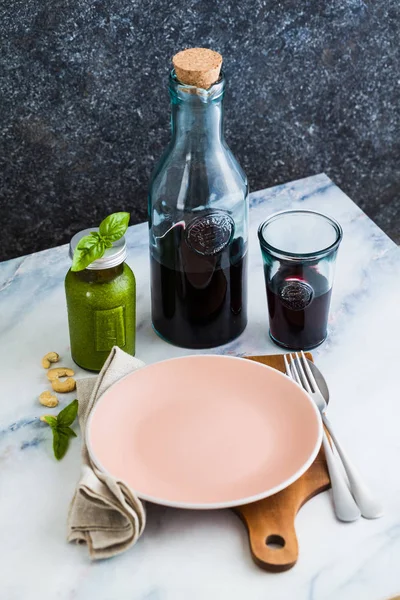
(210, 233)
(109, 328)
(295, 294)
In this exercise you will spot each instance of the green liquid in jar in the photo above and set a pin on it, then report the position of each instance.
(101, 313)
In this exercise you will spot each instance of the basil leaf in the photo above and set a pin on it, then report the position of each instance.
(89, 248)
(60, 442)
(68, 414)
(114, 226)
(68, 431)
(61, 437)
(50, 420)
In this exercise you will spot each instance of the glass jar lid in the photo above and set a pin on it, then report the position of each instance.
(112, 257)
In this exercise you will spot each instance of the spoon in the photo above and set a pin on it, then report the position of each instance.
(370, 508)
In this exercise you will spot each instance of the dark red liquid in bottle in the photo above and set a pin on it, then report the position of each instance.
(298, 303)
(199, 285)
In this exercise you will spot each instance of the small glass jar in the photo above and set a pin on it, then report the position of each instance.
(101, 303)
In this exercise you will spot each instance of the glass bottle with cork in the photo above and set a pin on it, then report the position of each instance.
(101, 298)
(198, 215)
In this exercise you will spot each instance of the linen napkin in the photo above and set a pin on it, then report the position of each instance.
(104, 513)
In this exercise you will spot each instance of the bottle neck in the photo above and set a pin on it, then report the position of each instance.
(197, 113)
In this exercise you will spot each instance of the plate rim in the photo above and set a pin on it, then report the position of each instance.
(210, 505)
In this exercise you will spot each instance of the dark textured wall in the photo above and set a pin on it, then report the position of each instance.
(312, 86)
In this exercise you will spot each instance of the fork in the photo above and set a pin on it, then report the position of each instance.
(370, 507)
(344, 504)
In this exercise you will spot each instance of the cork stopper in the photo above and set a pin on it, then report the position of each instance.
(199, 67)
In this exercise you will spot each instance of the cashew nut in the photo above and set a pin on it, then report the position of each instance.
(50, 357)
(48, 399)
(61, 386)
(59, 372)
(64, 386)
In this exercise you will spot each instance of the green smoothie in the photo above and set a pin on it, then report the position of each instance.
(101, 313)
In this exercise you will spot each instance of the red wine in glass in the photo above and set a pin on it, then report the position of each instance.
(298, 302)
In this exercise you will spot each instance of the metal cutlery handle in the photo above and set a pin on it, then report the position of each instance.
(344, 504)
(345, 507)
(369, 506)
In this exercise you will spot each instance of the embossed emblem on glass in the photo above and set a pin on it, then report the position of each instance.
(209, 234)
(109, 328)
(295, 294)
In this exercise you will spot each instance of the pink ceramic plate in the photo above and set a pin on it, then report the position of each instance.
(205, 432)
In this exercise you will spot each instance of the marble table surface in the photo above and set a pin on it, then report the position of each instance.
(199, 555)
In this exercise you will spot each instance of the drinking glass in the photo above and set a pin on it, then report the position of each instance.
(299, 249)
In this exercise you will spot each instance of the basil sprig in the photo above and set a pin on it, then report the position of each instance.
(92, 246)
(60, 426)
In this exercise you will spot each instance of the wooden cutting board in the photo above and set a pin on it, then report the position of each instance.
(270, 522)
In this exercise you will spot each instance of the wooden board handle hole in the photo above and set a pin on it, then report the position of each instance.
(275, 542)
